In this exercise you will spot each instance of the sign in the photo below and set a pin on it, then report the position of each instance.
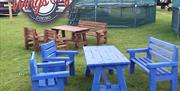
(41, 11)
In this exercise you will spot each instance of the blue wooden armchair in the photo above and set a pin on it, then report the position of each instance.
(50, 81)
(160, 62)
(50, 53)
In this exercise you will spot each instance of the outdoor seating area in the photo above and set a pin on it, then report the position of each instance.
(78, 35)
(102, 58)
(98, 47)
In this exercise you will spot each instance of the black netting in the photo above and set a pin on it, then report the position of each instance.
(176, 3)
(120, 13)
(118, 1)
(176, 20)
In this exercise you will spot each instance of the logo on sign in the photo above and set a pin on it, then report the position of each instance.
(41, 11)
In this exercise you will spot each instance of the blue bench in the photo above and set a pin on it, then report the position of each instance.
(159, 56)
(50, 54)
(50, 81)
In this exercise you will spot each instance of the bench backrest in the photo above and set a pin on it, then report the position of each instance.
(31, 37)
(49, 35)
(162, 50)
(30, 34)
(33, 66)
(91, 24)
(48, 49)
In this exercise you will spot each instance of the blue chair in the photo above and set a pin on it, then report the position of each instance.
(50, 53)
(50, 81)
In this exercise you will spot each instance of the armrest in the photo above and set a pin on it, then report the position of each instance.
(41, 76)
(162, 64)
(100, 31)
(139, 50)
(56, 59)
(67, 52)
(50, 64)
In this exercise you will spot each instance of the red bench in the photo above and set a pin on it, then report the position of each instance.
(97, 29)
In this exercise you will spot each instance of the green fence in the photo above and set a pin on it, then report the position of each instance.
(176, 3)
(119, 1)
(176, 20)
(117, 13)
(176, 16)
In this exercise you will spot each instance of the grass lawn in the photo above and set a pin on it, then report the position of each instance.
(14, 59)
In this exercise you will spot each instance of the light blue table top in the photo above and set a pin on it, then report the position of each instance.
(104, 56)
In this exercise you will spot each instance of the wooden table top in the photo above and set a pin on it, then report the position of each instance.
(70, 28)
(104, 56)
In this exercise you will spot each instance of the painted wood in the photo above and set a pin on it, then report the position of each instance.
(78, 34)
(50, 81)
(101, 58)
(50, 54)
(104, 55)
(32, 39)
(97, 30)
(167, 55)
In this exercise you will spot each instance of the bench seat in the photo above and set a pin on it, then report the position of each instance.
(143, 62)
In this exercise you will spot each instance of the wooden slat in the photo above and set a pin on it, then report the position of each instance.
(50, 51)
(160, 71)
(70, 28)
(89, 56)
(107, 54)
(51, 82)
(104, 55)
(91, 25)
(141, 65)
(49, 45)
(42, 83)
(161, 51)
(119, 55)
(96, 55)
(158, 56)
(162, 43)
(143, 61)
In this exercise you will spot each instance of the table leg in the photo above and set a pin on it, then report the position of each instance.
(107, 83)
(84, 39)
(88, 71)
(63, 33)
(121, 79)
(96, 80)
(73, 36)
(76, 40)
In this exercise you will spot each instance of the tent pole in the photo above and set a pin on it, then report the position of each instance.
(10, 11)
(95, 6)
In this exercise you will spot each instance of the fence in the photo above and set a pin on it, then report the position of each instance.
(117, 13)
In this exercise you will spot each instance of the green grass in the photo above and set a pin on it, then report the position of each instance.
(14, 59)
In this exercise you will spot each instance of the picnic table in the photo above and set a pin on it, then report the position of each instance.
(78, 33)
(101, 58)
